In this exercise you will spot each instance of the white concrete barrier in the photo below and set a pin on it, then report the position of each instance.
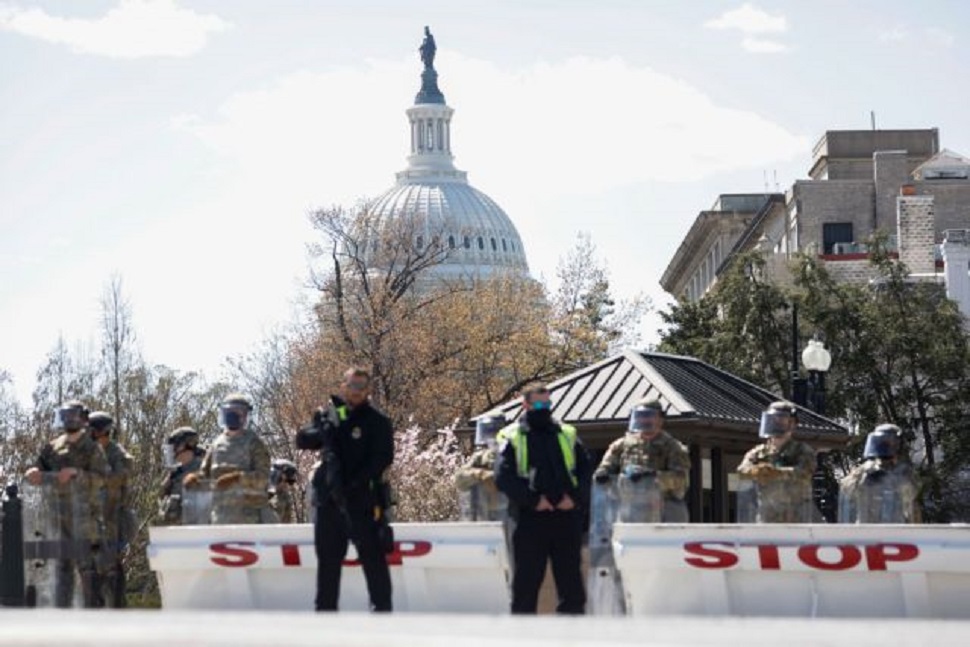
(795, 570)
(440, 567)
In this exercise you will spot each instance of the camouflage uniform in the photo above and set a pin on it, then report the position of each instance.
(284, 504)
(119, 524)
(78, 507)
(784, 480)
(662, 454)
(901, 482)
(170, 509)
(477, 476)
(240, 464)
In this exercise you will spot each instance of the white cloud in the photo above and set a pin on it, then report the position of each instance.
(763, 46)
(133, 29)
(580, 126)
(925, 37)
(750, 20)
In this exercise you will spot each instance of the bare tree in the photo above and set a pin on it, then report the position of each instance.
(117, 345)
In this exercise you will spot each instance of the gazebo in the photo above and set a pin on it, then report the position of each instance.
(716, 414)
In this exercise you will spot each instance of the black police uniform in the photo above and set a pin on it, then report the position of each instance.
(551, 535)
(364, 445)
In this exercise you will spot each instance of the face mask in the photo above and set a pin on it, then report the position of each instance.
(232, 420)
(541, 405)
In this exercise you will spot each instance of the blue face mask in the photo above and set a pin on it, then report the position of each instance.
(541, 405)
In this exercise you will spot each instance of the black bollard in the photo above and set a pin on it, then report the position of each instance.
(12, 583)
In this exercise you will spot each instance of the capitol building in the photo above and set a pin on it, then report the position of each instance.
(481, 240)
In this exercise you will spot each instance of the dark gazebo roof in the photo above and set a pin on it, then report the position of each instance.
(701, 401)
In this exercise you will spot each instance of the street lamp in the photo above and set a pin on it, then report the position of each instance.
(817, 360)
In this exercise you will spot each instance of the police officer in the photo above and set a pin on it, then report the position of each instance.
(239, 463)
(479, 497)
(779, 471)
(544, 470)
(184, 458)
(648, 450)
(881, 489)
(282, 482)
(357, 448)
(119, 524)
(74, 467)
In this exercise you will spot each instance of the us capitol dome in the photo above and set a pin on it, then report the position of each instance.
(481, 239)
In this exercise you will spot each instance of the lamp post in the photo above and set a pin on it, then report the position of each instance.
(817, 360)
(798, 385)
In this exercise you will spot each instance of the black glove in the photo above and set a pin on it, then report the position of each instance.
(601, 477)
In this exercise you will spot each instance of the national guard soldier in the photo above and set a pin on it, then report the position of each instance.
(544, 470)
(648, 455)
(238, 463)
(183, 458)
(119, 522)
(881, 489)
(282, 482)
(70, 472)
(776, 475)
(478, 498)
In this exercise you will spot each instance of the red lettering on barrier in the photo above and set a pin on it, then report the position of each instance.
(877, 557)
(707, 557)
(716, 554)
(850, 556)
(291, 554)
(768, 556)
(401, 550)
(232, 554)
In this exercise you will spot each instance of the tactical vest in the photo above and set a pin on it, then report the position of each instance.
(518, 435)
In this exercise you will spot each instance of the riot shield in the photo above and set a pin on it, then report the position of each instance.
(197, 504)
(482, 502)
(879, 497)
(603, 581)
(640, 500)
(62, 527)
(240, 503)
(775, 501)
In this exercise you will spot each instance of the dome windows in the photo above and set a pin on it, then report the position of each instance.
(504, 248)
(494, 246)
(481, 243)
(468, 242)
(451, 242)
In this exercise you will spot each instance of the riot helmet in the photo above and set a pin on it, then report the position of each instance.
(645, 418)
(882, 442)
(776, 419)
(283, 470)
(234, 412)
(101, 423)
(487, 428)
(71, 416)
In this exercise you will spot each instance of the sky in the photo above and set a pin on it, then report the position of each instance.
(180, 144)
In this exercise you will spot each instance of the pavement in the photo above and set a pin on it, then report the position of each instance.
(107, 628)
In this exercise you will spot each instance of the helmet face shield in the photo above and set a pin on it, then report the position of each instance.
(644, 420)
(774, 424)
(168, 455)
(486, 430)
(233, 416)
(880, 444)
(70, 418)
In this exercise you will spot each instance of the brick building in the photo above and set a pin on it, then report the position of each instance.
(897, 182)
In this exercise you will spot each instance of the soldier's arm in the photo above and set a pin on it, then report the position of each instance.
(472, 472)
(260, 462)
(611, 459)
(803, 468)
(205, 470)
(673, 479)
(749, 465)
(120, 469)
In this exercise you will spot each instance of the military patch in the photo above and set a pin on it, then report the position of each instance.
(355, 433)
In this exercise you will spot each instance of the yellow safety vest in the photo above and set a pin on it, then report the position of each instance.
(517, 435)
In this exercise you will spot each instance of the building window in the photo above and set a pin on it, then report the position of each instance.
(504, 248)
(451, 242)
(468, 242)
(481, 243)
(494, 246)
(834, 233)
(512, 242)
(430, 135)
(420, 242)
